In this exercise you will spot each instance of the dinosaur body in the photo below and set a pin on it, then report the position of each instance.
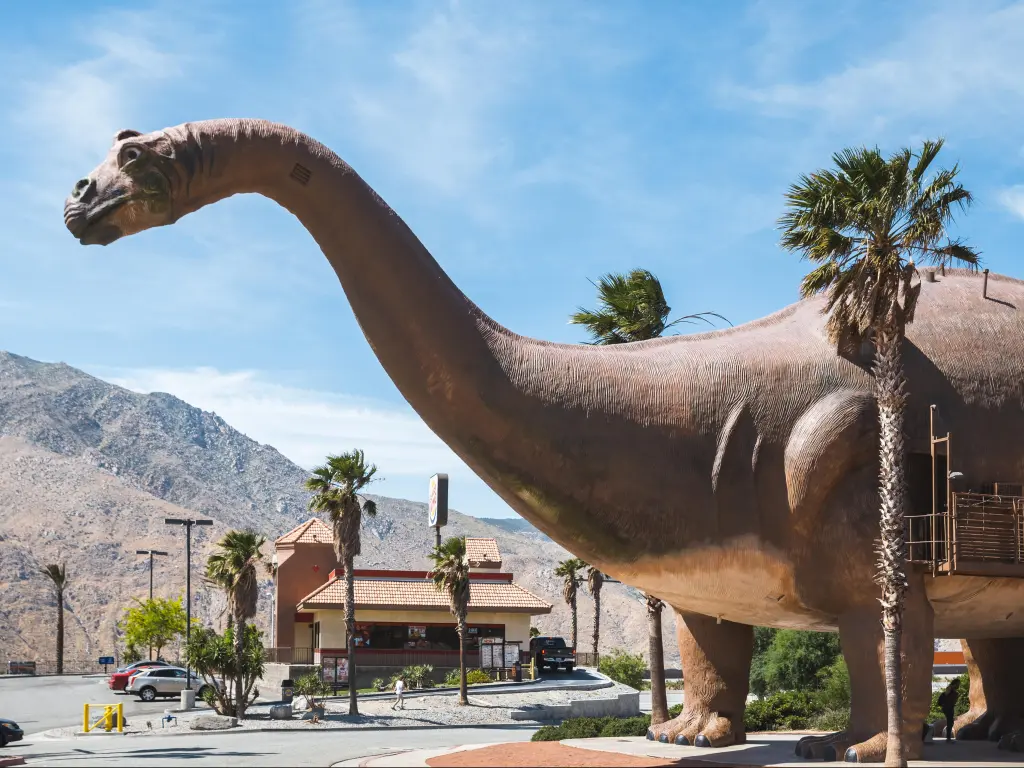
(732, 473)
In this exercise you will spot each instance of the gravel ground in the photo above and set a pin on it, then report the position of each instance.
(435, 710)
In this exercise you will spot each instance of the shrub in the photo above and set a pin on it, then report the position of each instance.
(785, 711)
(415, 677)
(834, 686)
(830, 720)
(312, 689)
(592, 727)
(794, 659)
(622, 667)
(473, 677)
(379, 685)
(626, 726)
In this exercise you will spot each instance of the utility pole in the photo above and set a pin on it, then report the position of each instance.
(150, 552)
(188, 582)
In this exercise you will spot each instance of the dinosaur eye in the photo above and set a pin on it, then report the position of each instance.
(130, 153)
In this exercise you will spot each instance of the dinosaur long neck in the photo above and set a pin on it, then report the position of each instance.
(428, 336)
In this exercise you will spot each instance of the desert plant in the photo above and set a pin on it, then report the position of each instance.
(622, 667)
(336, 486)
(378, 684)
(313, 689)
(58, 576)
(417, 676)
(867, 225)
(571, 573)
(450, 575)
(214, 659)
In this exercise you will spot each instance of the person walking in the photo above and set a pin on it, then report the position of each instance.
(947, 703)
(399, 690)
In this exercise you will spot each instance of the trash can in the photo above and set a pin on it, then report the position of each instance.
(518, 668)
(287, 691)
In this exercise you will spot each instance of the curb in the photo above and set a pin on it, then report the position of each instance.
(5, 761)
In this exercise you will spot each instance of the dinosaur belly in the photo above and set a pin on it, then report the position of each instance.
(977, 607)
(741, 581)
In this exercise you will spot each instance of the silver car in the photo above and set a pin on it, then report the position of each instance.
(150, 683)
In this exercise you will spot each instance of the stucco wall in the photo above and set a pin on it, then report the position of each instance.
(296, 578)
(332, 623)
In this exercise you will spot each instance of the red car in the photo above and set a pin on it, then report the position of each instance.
(119, 678)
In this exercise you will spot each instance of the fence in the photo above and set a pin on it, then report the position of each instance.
(288, 655)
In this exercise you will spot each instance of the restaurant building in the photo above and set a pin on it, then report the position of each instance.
(401, 618)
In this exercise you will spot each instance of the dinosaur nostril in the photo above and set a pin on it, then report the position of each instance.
(82, 184)
(82, 187)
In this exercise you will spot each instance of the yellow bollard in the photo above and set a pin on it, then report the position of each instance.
(120, 718)
(85, 718)
(108, 718)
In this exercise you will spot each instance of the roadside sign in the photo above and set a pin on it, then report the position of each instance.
(106, 659)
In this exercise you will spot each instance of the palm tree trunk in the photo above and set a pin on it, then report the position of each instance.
(659, 698)
(890, 384)
(60, 631)
(463, 693)
(350, 630)
(239, 663)
(572, 607)
(597, 623)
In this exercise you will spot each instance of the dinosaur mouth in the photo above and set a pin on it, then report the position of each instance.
(91, 226)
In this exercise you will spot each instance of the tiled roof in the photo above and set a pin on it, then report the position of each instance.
(483, 552)
(313, 531)
(420, 594)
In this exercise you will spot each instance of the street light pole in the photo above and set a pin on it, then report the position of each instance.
(188, 583)
(150, 552)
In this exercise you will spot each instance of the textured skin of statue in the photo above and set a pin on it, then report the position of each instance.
(732, 474)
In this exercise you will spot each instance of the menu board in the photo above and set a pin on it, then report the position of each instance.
(417, 633)
(490, 655)
(511, 654)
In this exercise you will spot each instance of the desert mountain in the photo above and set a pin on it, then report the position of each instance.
(89, 471)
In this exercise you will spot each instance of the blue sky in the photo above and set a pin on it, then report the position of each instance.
(530, 145)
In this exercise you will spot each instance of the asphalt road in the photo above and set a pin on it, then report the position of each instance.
(269, 748)
(41, 703)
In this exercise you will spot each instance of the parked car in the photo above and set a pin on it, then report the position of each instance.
(9, 731)
(119, 678)
(148, 684)
(552, 652)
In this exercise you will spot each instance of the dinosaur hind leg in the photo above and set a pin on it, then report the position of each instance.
(716, 667)
(996, 669)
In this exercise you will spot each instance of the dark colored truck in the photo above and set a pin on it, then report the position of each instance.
(552, 652)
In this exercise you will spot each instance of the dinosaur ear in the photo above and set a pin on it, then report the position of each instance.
(126, 133)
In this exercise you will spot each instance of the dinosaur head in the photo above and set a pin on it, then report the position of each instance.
(133, 189)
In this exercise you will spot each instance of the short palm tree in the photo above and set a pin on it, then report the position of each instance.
(58, 576)
(632, 307)
(235, 566)
(571, 572)
(450, 575)
(656, 651)
(595, 580)
(336, 486)
(867, 225)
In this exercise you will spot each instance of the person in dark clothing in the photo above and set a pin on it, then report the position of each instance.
(947, 702)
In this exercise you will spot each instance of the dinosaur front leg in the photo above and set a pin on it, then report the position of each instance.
(860, 632)
(996, 669)
(716, 672)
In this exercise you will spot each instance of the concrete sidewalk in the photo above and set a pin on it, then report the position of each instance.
(761, 749)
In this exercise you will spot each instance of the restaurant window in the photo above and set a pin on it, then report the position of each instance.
(425, 637)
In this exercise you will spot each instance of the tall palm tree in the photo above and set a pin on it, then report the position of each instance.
(450, 575)
(58, 575)
(571, 571)
(632, 307)
(867, 225)
(336, 486)
(595, 580)
(234, 567)
(656, 652)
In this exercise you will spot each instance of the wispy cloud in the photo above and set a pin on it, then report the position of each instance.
(1012, 199)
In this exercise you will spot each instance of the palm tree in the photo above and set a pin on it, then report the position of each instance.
(571, 572)
(58, 575)
(595, 580)
(234, 567)
(450, 575)
(659, 698)
(336, 486)
(867, 225)
(632, 308)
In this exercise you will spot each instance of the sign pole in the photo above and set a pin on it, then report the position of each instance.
(437, 506)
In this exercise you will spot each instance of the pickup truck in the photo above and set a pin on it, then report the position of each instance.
(552, 652)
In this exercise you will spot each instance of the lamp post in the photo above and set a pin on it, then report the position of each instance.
(150, 552)
(188, 582)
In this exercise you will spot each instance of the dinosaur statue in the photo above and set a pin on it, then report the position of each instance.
(732, 473)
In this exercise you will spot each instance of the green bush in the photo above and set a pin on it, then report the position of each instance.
(834, 686)
(830, 720)
(379, 685)
(418, 676)
(785, 711)
(622, 667)
(794, 659)
(473, 677)
(592, 727)
(963, 701)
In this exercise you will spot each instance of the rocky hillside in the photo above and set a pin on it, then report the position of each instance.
(88, 472)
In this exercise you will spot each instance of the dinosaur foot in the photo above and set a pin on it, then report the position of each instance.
(872, 749)
(698, 730)
(988, 725)
(1013, 741)
(825, 747)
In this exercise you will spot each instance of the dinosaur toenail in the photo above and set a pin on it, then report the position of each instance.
(682, 741)
(702, 741)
